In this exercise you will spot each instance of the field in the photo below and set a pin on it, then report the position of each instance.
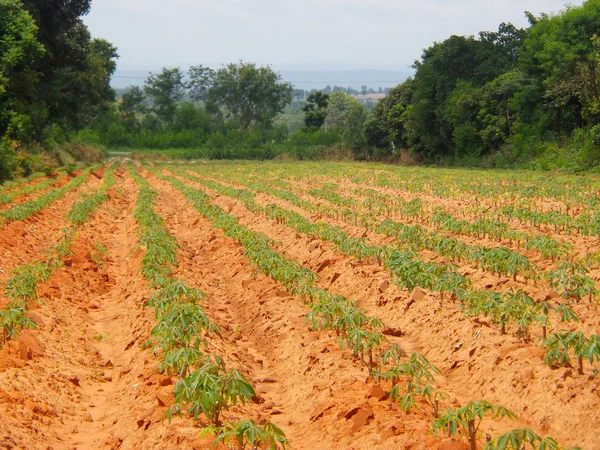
(332, 305)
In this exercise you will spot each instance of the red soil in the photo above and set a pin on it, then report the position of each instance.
(84, 381)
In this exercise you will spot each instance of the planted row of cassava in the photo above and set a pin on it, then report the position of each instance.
(408, 378)
(416, 372)
(494, 229)
(515, 201)
(206, 385)
(499, 189)
(503, 308)
(354, 328)
(387, 205)
(21, 289)
(480, 228)
(488, 226)
(9, 197)
(560, 344)
(13, 184)
(491, 259)
(570, 279)
(549, 248)
(466, 421)
(405, 265)
(29, 208)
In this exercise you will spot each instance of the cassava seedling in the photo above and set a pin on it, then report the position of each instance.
(523, 439)
(209, 390)
(467, 419)
(248, 432)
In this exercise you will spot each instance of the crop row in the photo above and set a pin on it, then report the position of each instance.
(28, 209)
(480, 228)
(500, 187)
(21, 289)
(410, 271)
(355, 329)
(587, 223)
(206, 386)
(572, 280)
(378, 204)
(13, 184)
(359, 331)
(28, 189)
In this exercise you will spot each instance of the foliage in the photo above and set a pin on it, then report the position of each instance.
(315, 110)
(164, 90)
(19, 51)
(249, 94)
(206, 387)
(467, 419)
(21, 289)
(248, 432)
(521, 439)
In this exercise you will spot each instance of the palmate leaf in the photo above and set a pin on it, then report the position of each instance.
(519, 438)
(473, 412)
(248, 432)
(592, 349)
(446, 422)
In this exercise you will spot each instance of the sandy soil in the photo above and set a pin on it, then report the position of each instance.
(84, 380)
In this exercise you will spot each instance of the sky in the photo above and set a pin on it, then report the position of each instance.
(294, 34)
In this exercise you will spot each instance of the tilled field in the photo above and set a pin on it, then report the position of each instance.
(343, 306)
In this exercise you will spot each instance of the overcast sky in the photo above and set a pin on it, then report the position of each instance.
(294, 34)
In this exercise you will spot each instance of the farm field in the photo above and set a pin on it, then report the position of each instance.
(324, 305)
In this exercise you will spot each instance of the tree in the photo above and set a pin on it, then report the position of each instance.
(315, 110)
(249, 94)
(561, 53)
(442, 67)
(354, 124)
(165, 90)
(338, 108)
(131, 105)
(200, 81)
(387, 123)
(74, 70)
(19, 50)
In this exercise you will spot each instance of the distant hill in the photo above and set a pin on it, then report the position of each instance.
(301, 79)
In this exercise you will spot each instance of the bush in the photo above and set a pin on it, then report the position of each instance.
(8, 160)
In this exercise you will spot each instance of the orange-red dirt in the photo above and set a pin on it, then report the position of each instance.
(84, 380)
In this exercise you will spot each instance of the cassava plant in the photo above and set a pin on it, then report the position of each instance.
(467, 419)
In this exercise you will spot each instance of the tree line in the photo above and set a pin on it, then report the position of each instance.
(501, 98)
(513, 97)
(510, 95)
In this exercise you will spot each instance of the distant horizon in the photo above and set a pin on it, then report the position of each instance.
(306, 79)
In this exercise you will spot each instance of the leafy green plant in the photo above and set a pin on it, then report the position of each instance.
(467, 419)
(523, 439)
(416, 370)
(206, 387)
(248, 432)
(559, 344)
(13, 320)
(209, 390)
